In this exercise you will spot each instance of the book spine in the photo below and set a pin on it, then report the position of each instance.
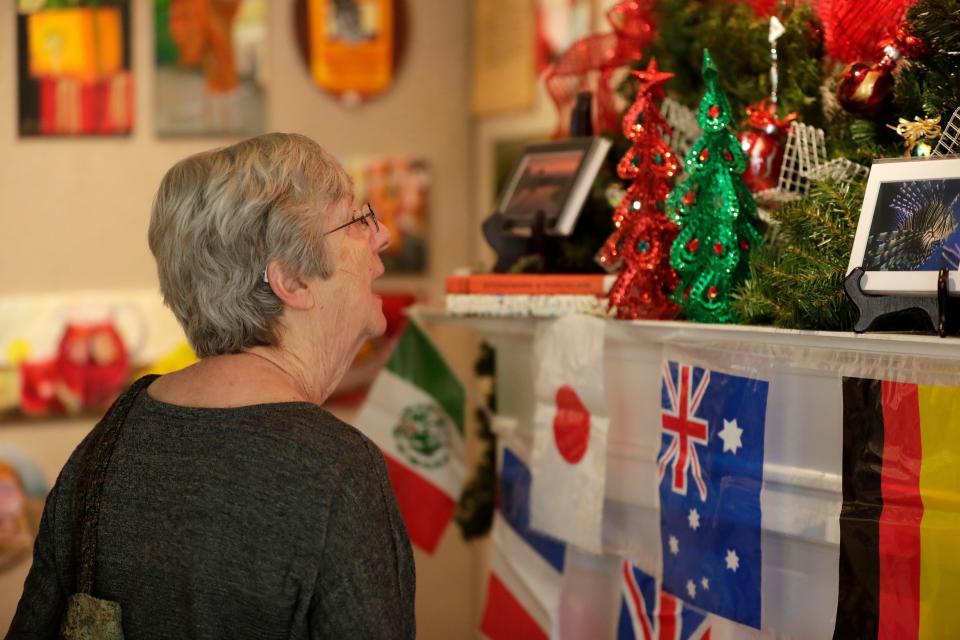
(595, 285)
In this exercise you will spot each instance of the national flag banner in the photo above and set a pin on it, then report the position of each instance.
(900, 522)
(710, 468)
(647, 612)
(415, 414)
(570, 427)
(526, 567)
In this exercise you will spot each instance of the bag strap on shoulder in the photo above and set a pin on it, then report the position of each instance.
(91, 474)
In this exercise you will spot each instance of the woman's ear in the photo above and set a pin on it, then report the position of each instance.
(292, 290)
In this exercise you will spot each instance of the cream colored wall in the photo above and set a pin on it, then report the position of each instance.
(73, 214)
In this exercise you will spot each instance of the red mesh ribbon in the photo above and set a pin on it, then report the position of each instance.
(852, 29)
(590, 62)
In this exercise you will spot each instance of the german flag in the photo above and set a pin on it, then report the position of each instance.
(900, 522)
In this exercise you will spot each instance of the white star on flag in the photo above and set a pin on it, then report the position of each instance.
(730, 434)
(674, 545)
(694, 519)
(705, 583)
(733, 562)
(691, 589)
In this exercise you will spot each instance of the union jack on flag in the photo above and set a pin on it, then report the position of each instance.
(688, 431)
(649, 613)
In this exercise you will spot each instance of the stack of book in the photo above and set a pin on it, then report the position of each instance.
(528, 294)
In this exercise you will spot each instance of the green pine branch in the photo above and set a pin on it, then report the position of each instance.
(797, 281)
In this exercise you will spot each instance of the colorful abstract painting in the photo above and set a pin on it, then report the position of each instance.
(73, 67)
(398, 189)
(211, 67)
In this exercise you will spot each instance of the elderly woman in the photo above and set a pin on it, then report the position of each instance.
(233, 506)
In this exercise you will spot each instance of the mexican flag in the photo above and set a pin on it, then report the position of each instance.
(415, 413)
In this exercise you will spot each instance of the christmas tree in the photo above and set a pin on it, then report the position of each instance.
(715, 212)
(640, 243)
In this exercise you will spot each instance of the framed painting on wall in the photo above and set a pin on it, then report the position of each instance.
(398, 189)
(210, 67)
(73, 68)
(352, 48)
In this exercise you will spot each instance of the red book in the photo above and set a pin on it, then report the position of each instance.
(532, 283)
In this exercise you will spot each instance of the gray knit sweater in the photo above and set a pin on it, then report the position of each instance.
(267, 521)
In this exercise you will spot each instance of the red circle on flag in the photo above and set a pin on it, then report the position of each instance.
(571, 425)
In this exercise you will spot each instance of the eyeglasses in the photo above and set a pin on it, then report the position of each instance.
(365, 216)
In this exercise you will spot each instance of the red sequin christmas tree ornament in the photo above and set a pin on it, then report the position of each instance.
(639, 246)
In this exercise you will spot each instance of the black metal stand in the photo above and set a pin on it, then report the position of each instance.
(941, 310)
(510, 248)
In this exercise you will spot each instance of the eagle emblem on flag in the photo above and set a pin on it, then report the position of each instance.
(423, 436)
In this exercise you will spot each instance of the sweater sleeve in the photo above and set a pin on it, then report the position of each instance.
(366, 582)
(42, 602)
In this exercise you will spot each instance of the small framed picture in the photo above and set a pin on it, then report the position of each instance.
(554, 178)
(909, 227)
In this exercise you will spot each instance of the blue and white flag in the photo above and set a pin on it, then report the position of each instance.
(526, 567)
(649, 613)
(711, 471)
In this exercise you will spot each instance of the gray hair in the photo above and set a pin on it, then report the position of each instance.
(220, 216)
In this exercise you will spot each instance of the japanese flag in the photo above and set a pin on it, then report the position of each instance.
(570, 431)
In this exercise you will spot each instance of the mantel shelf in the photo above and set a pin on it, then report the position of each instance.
(691, 332)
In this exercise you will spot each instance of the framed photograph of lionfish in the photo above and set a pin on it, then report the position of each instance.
(909, 227)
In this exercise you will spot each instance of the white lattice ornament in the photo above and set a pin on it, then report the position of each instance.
(949, 142)
(839, 170)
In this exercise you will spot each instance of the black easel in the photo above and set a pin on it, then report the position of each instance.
(941, 310)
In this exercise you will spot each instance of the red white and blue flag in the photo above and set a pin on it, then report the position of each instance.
(711, 472)
(649, 613)
(526, 567)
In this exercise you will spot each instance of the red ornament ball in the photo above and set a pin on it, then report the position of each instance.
(692, 245)
(718, 248)
(714, 111)
(865, 90)
(712, 292)
(764, 151)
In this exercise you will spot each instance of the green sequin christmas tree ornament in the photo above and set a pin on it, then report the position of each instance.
(715, 212)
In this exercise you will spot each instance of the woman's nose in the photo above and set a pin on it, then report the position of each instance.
(382, 238)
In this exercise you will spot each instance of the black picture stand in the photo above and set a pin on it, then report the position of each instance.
(510, 249)
(942, 310)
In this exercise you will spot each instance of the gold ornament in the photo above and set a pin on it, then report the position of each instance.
(914, 132)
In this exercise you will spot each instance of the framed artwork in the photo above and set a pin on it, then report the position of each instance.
(398, 188)
(72, 353)
(352, 48)
(23, 491)
(211, 67)
(73, 68)
(553, 178)
(909, 226)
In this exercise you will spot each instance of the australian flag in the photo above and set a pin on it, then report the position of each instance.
(649, 613)
(711, 471)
